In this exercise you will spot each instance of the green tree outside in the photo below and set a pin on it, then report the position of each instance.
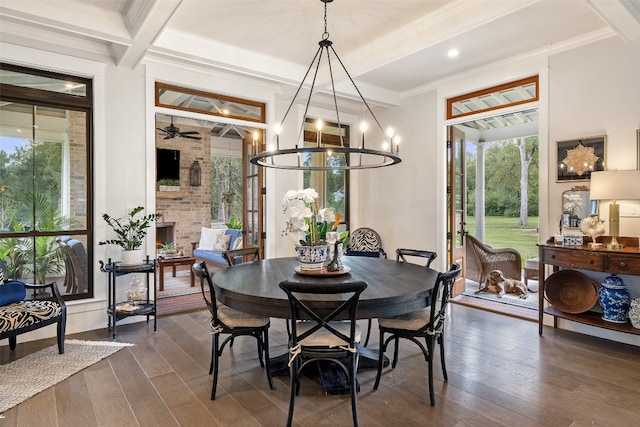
(502, 179)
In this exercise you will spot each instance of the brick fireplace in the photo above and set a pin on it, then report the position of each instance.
(165, 233)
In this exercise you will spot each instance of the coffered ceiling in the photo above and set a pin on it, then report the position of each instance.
(391, 48)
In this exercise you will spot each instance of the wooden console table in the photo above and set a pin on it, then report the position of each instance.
(621, 261)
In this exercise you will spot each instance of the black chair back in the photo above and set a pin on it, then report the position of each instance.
(443, 286)
(237, 256)
(401, 253)
(201, 271)
(303, 310)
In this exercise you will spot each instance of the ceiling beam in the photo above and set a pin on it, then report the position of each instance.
(146, 20)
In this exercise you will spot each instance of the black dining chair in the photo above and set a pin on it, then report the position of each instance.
(316, 335)
(238, 256)
(234, 323)
(427, 323)
(401, 253)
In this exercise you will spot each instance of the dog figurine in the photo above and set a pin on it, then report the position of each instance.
(496, 282)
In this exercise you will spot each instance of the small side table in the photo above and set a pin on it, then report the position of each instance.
(120, 310)
(174, 262)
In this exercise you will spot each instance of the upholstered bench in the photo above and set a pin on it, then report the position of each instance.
(27, 314)
(214, 242)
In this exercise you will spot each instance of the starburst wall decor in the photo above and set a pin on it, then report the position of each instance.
(578, 158)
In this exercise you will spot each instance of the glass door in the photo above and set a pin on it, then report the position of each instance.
(254, 192)
(456, 189)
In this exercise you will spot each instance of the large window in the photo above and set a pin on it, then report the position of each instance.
(45, 178)
(332, 185)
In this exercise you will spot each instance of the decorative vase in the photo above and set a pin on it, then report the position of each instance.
(614, 299)
(634, 312)
(336, 262)
(137, 291)
(312, 257)
(331, 239)
(132, 257)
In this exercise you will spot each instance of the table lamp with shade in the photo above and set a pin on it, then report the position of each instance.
(615, 185)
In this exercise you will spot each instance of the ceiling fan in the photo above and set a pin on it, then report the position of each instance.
(172, 131)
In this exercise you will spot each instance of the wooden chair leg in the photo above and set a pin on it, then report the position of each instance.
(381, 350)
(430, 349)
(293, 374)
(260, 340)
(213, 349)
(366, 341)
(396, 351)
(267, 361)
(353, 380)
(61, 330)
(215, 364)
(442, 362)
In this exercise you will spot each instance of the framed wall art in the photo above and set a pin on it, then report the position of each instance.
(577, 158)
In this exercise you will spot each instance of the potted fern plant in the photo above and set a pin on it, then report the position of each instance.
(130, 231)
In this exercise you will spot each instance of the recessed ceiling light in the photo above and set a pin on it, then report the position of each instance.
(453, 53)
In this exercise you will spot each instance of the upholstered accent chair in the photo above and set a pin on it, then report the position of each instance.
(365, 241)
(24, 309)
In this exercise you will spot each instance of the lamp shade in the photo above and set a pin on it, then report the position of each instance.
(615, 185)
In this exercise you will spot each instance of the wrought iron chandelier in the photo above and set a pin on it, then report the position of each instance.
(319, 156)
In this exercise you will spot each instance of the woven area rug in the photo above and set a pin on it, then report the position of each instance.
(28, 376)
(179, 285)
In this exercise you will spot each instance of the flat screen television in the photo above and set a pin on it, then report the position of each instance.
(167, 164)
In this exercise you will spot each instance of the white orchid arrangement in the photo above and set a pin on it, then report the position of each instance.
(305, 221)
(572, 204)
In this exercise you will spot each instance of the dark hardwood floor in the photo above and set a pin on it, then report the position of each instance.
(501, 373)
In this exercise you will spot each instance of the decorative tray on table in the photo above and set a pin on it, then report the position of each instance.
(126, 308)
(322, 272)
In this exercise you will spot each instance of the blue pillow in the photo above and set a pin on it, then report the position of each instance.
(12, 292)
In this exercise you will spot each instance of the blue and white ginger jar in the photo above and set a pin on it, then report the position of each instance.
(312, 257)
(614, 299)
(634, 312)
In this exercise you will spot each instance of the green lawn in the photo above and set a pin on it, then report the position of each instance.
(501, 232)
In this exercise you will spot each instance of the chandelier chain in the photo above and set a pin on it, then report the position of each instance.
(325, 35)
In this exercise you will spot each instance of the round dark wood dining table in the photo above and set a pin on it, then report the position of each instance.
(394, 288)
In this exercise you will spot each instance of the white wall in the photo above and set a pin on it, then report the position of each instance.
(402, 202)
(595, 90)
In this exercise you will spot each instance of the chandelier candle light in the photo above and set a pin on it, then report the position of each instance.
(351, 157)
